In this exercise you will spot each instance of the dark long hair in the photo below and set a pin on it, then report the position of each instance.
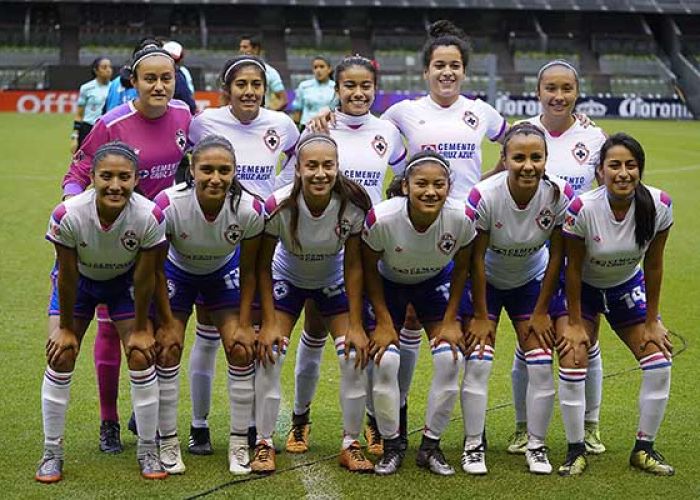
(347, 190)
(527, 128)
(644, 210)
(444, 33)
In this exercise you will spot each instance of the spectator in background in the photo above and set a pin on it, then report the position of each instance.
(178, 52)
(183, 90)
(275, 96)
(91, 100)
(314, 94)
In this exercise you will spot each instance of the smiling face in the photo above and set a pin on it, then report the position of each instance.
(427, 187)
(557, 91)
(114, 179)
(246, 92)
(154, 80)
(525, 158)
(356, 90)
(620, 172)
(213, 171)
(445, 73)
(318, 169)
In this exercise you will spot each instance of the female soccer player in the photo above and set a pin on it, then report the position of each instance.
(609, 231)
(367, 148)
(572, 149)
(518, 212)
(317, 221)
(417, 250)
(314, 94)
(91, 100)
(106, 243)
(207, 220)
(156, 127)
(262, 138)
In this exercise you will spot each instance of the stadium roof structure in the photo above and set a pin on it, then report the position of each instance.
(641, 6)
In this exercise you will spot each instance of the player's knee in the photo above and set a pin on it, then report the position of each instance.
(137, 360)
(236, 355)
(170, 353)
(388, 368)
(65, 362)
(575, 358)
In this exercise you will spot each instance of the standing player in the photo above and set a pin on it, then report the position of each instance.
(208, 219)
(105, 242)
(367, 148)
(572, 155)
(610, 230)
(417, 251)
(261, 137)
(275, 95)
(91, 100)
(518, 212)
(156, 127)
(317, 221)
(314, 94)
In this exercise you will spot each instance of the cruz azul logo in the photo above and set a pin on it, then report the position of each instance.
(272, 139)
(580, 153)
(130, 241)
(446, 243)
(379, 145)
(545, 219)
(233, 233)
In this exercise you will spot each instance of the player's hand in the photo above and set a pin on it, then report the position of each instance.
(451, 333)
(60, 340)
(382, 337)
(356, 339)
(655, 333)
(480, 334)
(143, 341)
(584, 120)
(322, 122)
(540, 325)
(571, 339)
(245, 337)
(268, 338)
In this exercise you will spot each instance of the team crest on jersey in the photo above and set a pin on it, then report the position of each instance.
(342, 229)
(580, 153)
(280, 289)
(447, 243)
(471, 120)
(545, 219)
(379, 145)
(130, 241)
(272, 139)
(233, 233)
(181, 139)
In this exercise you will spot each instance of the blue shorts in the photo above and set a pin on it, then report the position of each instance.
(623, 305)
(330, 300)
(117, 294)
(429, 299)
(213, 291)
(519, 302)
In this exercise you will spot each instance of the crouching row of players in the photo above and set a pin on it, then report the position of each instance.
(362, 267)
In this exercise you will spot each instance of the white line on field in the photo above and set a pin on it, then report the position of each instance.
(687, 168)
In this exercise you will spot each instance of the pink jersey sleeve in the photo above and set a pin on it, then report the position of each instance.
(77, 179)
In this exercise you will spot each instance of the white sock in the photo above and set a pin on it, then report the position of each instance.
(385, 392)
(202, 368)
(55, 394)
(443, 390)
(307, 371)
(518, 377)
(409, 340)
(653, 395)
(540, 395)
(474, 395)
(594, 383)
(144, 399)
(241, 395)
(267, 394)
(572, 402)
(353, 387)
(169, 395)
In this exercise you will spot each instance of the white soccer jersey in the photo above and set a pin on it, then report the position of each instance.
(517, 252)
(455, 132)
(258, 144)
(106, 252)
(200, 246)
(612, 255)
(573, 155)
(318, 261)
(410, 256)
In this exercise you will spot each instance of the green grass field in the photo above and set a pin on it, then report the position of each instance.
(34, 160)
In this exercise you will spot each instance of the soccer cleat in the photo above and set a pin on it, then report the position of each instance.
(375, 444)
(200, 441)
(264, 459)
(170, 455)
(354, 460)
(132, 424)
(594, 445)
(517, 444)
(298, 437)
(110, 437)
(238, 456)
(575, 463)
(149, 462)
(391, 460)
(537, 460)
(651, 461)
(474, 460)
(50, 469)
(430, 457)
